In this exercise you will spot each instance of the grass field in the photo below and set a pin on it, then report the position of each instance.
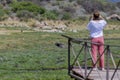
(31, 55)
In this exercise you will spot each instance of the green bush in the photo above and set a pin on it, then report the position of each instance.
(66, 16)
(24, 15)
(50, 15)
(17, 6)
(2, 14)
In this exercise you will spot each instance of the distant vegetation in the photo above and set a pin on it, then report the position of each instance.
(25, 10)
(57, 9)
(29, 6)
(101, 5)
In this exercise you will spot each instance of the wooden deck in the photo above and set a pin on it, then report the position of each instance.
(95, 74)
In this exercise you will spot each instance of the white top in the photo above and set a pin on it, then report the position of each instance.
(96, 28)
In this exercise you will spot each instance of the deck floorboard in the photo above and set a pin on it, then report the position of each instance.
(97, 74)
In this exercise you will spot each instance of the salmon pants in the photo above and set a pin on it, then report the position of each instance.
(95, 49)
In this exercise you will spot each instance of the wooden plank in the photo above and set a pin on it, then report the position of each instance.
(96, 74)
(79, 73)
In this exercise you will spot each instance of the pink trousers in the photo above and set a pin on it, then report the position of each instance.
(95, 49)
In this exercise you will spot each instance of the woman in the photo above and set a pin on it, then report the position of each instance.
(95, 27)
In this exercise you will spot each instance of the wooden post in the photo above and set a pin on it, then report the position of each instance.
(69, 67)
(85, 57)
(107, 62)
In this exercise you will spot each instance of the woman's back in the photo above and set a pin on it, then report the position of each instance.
(96, 27)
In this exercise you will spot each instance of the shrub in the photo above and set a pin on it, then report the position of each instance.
(9, 1)
(91, 5)
(108, 7)
(84, 18)
(50, 15)
(66, 16)
(17, 6)
(69, 9)
(2, 14)
(24, 15)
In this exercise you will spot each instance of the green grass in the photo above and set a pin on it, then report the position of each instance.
(33, 55)
(28, 53)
